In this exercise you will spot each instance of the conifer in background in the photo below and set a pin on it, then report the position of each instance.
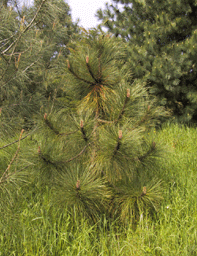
(33, 44)
(161, 37)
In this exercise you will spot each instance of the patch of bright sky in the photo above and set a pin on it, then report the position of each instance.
(85, 11)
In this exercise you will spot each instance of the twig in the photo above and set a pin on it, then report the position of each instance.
(27, 28)
(118, 144)
(11, 162)
(50, 125)
(105, 121)
(83, 131)
(66, 134)
(16, 73)
(123, 108)
(30, 65)
(80, 153)
(5, 146)
(82, 79)
(16, 6)
(90, 71)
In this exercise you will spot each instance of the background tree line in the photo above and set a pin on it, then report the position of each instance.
(161, 42)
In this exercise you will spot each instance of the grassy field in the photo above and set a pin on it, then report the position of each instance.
(35, 227)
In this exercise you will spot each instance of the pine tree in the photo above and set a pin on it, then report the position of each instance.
(89, 143)
(94, 152)
(32, 48)
(161, 38)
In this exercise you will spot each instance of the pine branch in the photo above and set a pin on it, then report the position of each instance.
(90, 71)
(17, 8)
(33, 63)
(118, 143)
(5, 174)
(5, 146)
(105, 121)
(66, 134)
(83, 131)
(15, 72)
(3, 42)
(26, 29)
(122, 111)
(50, 125)
(80, 153)
(148, 153)
(84, 80)
(125, 103)
(100, 72)
(83, 201)
(143, 119)
(44, 158)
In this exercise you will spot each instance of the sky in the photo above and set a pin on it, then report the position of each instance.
(85, 10)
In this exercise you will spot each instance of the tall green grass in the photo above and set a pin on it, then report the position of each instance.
(35, 227)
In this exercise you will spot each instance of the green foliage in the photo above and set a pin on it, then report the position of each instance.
(161, 42)
(87, 197)
(30, 53)
(87, 149)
